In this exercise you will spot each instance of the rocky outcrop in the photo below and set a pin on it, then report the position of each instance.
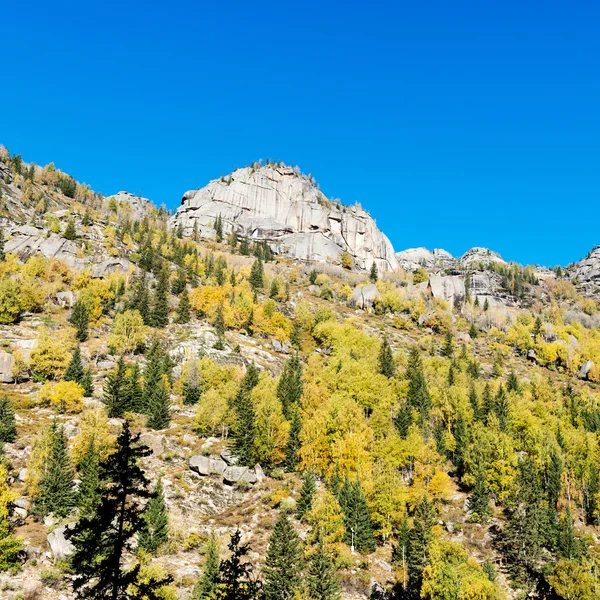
(139, 206)
(225, 466)
(61, 547)
(480, 255)
(587, 271)
(414, 258)
(364, 297)
(284, 208)
(450, 288)
(6, 364)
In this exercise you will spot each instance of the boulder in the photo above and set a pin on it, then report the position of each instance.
(229, 457)
(65, 299)
(447, 287)
(287, 210)
(6, 364)
(207, 465)
(315, 290)
(586, 367)
(364, 297)
(59, 545)
(280, 347)
(260, 474)
(240, 475)
(155, 442)
(531, 355)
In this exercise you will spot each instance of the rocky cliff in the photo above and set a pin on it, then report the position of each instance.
(286, 209)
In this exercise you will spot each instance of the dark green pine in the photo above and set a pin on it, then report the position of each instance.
(80, 320)
(292, 446)
(257, 275)
(88, 495)
(133, 389)
(159, 316)
(209, 580)
(87, 383)
(57, 493)
(159, 414)
(387, 366)
(290, 385)
(115, 397)
(8, 425)
(283, 563)
(74, 371)
(183, 309)
(321, 578)
(307, 495)
(155, 530)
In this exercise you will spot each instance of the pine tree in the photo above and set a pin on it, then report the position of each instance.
(74, 371)
(115, 396)
(236, 581)
(274, 291)
(57, 494)
(488, 404)
(70, 232)
(101, 540)
(292, 446)
(8, 426)
(312, 277)
(191, 388)
(133, 391)
(357, 520)
(474, 401)
(244, 247)
(245, 430)
(88, 494)
(502, 408)
(87, 383)
(80, 320)
(219, 229)
(219, 322)
(257, 275)
(387, 366)
(373, 274)
(568, 544)
(553, 479)
(401, 550)
(321, 577)
(590, 495)
(473, 333)
(155, 530)
(159, 409)
(418, 395)
(159, 317)
(403, 420)
(462, 439)
(290, 385)
(140, 298)
(153, 372)
(183, 309)
(419, 539)
(307, 495)
(283, 562)
(207, 585)
(480, 497)
(512, 385)
(448, 349)
(486, 305)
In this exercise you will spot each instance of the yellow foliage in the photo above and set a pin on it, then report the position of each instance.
(64, 396)
(327, 518)
(129, 332)
(51, 357)
(93, 423)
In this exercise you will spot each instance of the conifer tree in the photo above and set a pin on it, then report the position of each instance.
(474, 401)
(2, 242)
(357, 520)
(290, 385)
(321, 578)
(219, 322)
(88, 494)
(75, 371)
(486, 305)
(207, 585)
(448, 348)
(183, 309)
(403, 420)
(473, 333)
(102, 539)
(245, 429)
(590, 495)
(512, 385)
(387, 366)
(140, 298)
(155, 530)
(159, 408)
(133, 389)
(568, 544)
(236, 581)
(293, 443)
(80, 320)
(257, 275)
(87, 383)
(373, 273)
(419, 539)
(70, 232)
(488, 405)
(191, 388)
(480, 496)
(553, 479)
(461, 437)
(159, 316)
(244, 247)
(8, 426)
(418, 395)
(307, 495)
(274, 291)
(57, 494)
(153, 372)
(283, 562)
(312, 277)
(401, 550)
(502, 408)
(219, 228)
(115, 396)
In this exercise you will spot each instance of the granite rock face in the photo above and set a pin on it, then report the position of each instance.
(139, 206)
(414, 258)
(284, 208)
(480, 255)
(588, 270)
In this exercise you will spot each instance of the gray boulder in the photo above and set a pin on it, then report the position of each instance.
(447, 287)
(65, 299)
(240, 475)
(229, 457)
(364, 297)
(6, 364)
(207, 465)
(59, 545)
(586, 367)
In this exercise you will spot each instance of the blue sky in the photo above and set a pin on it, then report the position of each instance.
(454, 123)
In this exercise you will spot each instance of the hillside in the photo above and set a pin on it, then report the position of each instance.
(446, 410)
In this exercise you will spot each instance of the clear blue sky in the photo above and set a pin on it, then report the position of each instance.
(455, 123)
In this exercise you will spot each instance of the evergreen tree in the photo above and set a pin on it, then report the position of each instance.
(57, 494)
(569, 545)
(75, 371)
(245, 430)
(480, 496)
(590, 495)
(373, 274)
(80, 320)
(191, 388)
(451, 375)
(290, 385)
(70, 232)
(244, 247)
(488, 403)
(419, 539)
(8, 425)
(183, 309)
(159, 409)
(512, 385)
(502, 408)
(307, 495)
(236, 581)
(274, 291)
(257, 275)
(155, 530)
(2, 242)
(115, 396)
(387, 366)
(462, 439)
(553, 479)
(219, 322)
(448, 348)
(88, 494)
(219, 228)
(401, 550)
(418, 395)
(474, 401)
(473, 333)
(87, 383)
(403, 420)
(153, 372)
(283, 562)
(312, 277)
(103, 539)
(321, 578)
(293, 443)
(159, 316)
(209, 580)
(357, 520)
(140, 298)
(486, 305)
(133, 391)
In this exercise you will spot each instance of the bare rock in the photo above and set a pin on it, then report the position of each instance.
(586, 367)
(240, 475)
(6, 364)
(364, 297)
(207, 465)
(59, 545)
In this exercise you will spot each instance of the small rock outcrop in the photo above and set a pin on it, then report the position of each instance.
(225, 466)
(139, 206)
(450, 288)
(480, 255)
(414, 258)
(61, 547)
(364, 297)
(278, 205)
